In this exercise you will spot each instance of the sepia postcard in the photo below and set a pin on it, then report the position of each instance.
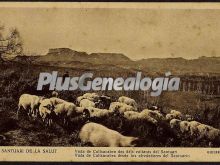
(109, 82)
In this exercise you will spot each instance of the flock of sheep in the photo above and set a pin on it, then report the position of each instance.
(92, 105)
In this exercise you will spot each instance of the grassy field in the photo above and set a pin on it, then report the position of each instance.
(16, 79)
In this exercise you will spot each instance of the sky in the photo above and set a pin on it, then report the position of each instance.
(137, 33)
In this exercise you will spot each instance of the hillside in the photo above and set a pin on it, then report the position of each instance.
(110, 58)
(200, 66)
(32, 132)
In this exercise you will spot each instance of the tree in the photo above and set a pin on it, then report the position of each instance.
(11, 44)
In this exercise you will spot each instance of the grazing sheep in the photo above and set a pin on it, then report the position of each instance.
(177, 114)
(56, 101)
(64, 111)
(102, 102)
(46, 111)
(79, 99)
(174, 123)
(202, 130)
(79, 110)
(91, 96)
(193, 127)
(120, 107)
(184, 126)
(131, 115)
(155, 114)
(213, 133)
(30, 103)
(99, 113)
(85, 103)
(101, 136)
(144, 115)
(173, 115)
(128, 101)
(208, 132)
(149, 115)
(170, 117)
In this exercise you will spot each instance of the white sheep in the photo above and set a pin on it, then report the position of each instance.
(158, 114)
(193, 126)
(173, 115)
(208, 132)
(150, 116)
(177, 114)
(79, 110)
(85, 103)
(170, 117)
(128, 101)
(99, 113)
(202, 130)
(46, 111)
(184, 126)
(64, 111)
(213, 133)
(155, 114)
(131, 115)
(91, 96)
(146, 114)
(174, 123)
(101, 136)
(79, 99)
(56, 101)
(120, 107)
(47, 107)
(30, 103)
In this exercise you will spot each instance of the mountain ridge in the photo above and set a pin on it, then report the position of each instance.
(71, 58)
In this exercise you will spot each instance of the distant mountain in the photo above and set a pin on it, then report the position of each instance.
(65, 57)
(110, 58)
(180, 65)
